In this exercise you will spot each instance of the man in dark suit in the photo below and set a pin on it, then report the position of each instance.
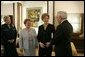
(62, 36)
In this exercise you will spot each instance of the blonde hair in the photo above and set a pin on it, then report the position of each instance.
(44, 15)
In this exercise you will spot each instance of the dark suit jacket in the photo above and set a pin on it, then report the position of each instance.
(8, 33)
(63, 33)
(45, 35)
(62, 38)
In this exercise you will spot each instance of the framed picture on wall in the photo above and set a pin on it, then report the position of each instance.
(76, 20)
(34, 14)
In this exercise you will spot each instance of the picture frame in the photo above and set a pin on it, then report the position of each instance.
(34, 14)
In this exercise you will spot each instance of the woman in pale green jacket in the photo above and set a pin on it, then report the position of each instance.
(28, 40)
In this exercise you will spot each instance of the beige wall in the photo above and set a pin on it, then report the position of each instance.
(68, 6)
(6, 9)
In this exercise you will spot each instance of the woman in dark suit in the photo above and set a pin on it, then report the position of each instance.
(8, 36)
(44, 36)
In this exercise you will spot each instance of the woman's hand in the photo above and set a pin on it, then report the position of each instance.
(11, 41)
(41, 45)
(47, 44)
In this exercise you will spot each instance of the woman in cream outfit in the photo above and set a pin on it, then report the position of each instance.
(28, 40)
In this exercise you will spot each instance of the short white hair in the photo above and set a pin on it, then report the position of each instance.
(63, 14)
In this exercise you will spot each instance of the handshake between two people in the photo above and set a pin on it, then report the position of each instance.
(44, 45)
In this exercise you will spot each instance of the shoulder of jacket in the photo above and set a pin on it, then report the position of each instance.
(40, 25)
(33, 29)
(3, 25)
(51, 25)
